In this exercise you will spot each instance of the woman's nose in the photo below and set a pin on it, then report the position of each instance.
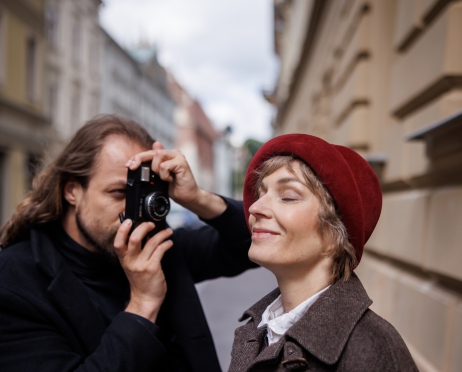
(260, 208)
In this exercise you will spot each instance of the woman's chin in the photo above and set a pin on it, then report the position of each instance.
(260, 256)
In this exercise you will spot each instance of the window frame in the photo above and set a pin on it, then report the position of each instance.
(53, 27)
(31, 66)
(76, 33)
(3, 40)
(3, 201)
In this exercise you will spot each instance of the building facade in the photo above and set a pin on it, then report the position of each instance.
(73, 88)
(385, 79)
(160, 101)
(135, 86)
(196, 137)
(24, 127)
(223, 163)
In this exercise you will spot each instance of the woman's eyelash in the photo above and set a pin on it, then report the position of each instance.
(289, 199)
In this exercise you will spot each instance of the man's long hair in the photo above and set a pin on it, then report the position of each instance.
(45, 202)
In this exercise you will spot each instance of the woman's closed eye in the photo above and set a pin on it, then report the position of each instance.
(290, 197)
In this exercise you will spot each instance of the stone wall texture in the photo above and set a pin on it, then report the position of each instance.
(385, 78)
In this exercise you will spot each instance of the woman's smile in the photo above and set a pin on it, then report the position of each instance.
(262, 233)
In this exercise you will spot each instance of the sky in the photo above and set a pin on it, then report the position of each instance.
(220, 51)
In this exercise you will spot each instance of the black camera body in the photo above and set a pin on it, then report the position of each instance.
(146, 199)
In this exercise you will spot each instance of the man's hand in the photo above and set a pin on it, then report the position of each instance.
(143, 267)
(171, 166)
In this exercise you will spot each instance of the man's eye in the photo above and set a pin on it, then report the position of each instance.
(118, 191)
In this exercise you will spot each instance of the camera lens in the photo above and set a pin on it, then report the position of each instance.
(157, 206)
(160, 206)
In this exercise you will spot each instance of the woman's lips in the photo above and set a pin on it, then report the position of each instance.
(263, 233)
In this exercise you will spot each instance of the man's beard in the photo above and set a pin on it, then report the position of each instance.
(102, 242)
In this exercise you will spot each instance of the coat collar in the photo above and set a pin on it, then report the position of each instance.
(325, 328)
(256, 311)
(67, 292)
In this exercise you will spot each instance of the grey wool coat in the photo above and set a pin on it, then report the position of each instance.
(338, 333)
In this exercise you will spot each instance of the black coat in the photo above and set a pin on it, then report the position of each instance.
(48, 322)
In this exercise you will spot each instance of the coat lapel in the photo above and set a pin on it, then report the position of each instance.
(249, 339)
(325, 328)
(68, 293)
(256, 311)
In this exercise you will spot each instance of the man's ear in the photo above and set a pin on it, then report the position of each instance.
(73, 191)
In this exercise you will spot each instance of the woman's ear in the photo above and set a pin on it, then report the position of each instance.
(73, 192)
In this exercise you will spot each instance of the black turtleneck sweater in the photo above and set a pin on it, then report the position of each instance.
(109, 290)
(105, 281)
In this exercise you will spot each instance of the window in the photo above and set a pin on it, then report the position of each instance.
(76, 41)
(52, 101)
(93, 53)
(2, 47)
(52, 17)
(33, 165)
(75, 111)
(94, 105)
(31, 68)
(3, 181)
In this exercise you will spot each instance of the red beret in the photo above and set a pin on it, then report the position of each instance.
(344, 173)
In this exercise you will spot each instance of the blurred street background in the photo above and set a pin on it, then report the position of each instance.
(216, 79)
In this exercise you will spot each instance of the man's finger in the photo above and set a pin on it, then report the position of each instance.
(150, 155)
(157, 146)
(166, 168)
(154, 242)
(137, 236)
(135, 161)
(120, 240)
(160, 251)
(162, 156)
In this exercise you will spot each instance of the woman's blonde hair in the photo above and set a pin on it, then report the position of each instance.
(330, 224)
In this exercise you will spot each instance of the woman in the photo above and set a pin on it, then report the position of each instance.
(311, 206)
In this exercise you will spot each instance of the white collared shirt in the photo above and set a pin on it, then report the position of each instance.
(279, 322)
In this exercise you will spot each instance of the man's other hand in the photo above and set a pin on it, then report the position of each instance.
(143, 267)
(171, 166)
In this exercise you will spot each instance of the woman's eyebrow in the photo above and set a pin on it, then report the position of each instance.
(287, 180)
(262, 186)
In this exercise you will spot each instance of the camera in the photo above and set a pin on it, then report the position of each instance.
(146, 199)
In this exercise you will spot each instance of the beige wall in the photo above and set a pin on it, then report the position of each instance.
(23, 124)
(376, 73)
(16, 32)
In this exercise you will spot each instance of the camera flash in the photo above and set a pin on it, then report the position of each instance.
(145, 174)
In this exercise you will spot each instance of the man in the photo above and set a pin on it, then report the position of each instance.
(67, 304)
